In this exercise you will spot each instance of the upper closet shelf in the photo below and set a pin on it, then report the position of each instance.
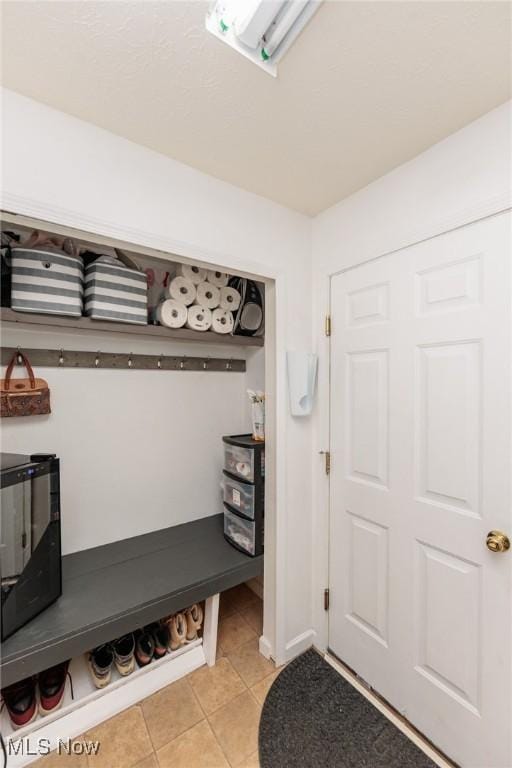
(155, 331)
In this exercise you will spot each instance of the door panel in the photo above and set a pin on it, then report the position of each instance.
(448, 653)
(368, 601)
(367, 416)
(421, 458)
(448, 425)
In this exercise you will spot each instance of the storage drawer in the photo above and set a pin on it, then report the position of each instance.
(244, 461)
(244, 534)
(46, 281)
(245, 498)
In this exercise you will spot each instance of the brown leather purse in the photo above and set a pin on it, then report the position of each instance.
(23, 397)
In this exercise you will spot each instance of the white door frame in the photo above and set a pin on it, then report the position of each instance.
(321, 439)
(273, 642)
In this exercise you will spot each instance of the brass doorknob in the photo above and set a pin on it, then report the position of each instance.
(497, 541)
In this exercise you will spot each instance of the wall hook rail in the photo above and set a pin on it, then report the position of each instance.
(61, 358)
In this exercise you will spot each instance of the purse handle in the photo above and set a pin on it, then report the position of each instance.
(27, 365)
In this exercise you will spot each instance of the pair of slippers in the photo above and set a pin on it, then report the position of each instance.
(183, 627)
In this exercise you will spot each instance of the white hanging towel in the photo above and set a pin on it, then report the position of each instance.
(182, 290)
(172, 313)
(195, 274)
(222, 321)
(220, 279)
(229, 299)
(199, 318)
(207, 295)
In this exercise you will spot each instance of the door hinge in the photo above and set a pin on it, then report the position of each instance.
(327, 457)
(326, 599)
(328, 326)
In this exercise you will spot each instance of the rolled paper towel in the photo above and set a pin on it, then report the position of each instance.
(229, 299)
(195, 274)
(199, 318)
(222, 321)
(220, 279)
(182, 290)
(172, 313)
(207, 295)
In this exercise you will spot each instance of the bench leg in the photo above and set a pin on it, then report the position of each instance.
(211, 620)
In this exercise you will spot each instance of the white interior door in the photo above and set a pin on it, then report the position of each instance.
(421, 472)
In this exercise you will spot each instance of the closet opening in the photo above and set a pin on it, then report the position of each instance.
(167, 500)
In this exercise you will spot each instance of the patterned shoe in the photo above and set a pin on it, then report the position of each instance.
(178, 632)
(100, 665)
(194, 617)
(20, 702)
(124, 654)
(52, 683)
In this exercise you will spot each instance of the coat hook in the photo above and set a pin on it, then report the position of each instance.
(183, 361)
(61, 357)
(229, 364)
(159, 364)
(130, 361)
(19, 359)
(206, 363)
(97, 359)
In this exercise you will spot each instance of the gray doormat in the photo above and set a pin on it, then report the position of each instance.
(312, 717)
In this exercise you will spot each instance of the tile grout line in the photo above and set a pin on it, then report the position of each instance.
(215, 735)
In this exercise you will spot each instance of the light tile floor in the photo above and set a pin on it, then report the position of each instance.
(208, 719)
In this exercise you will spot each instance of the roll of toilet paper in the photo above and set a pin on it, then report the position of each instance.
(182, 290)
(195, 274)
(229, 299)
(220, 279)
(199, 318)
(222, 321)
(172, 313)
(207, 295)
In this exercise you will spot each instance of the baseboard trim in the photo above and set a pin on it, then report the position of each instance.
(299, 644)
(265, 647)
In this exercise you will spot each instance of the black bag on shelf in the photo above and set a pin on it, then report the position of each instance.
(249, 316)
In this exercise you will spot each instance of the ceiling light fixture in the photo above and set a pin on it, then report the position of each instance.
(261, 30)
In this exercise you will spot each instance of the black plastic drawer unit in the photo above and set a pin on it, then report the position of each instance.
(244, 493)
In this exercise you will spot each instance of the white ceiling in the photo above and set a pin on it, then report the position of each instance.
(367, 86)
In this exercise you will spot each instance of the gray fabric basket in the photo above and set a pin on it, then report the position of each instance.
(46, 281)
(115, 292)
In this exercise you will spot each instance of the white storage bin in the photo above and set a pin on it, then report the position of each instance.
(46, 281)
(115, 292)
(241, 532)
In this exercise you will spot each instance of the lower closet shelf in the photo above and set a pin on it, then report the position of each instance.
(91, 706)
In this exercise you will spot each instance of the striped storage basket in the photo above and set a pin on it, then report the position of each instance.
(116, 292)
(46, 281)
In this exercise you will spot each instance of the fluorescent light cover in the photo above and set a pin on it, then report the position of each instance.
(261, 30)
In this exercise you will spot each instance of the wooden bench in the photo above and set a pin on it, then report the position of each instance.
(114, 589)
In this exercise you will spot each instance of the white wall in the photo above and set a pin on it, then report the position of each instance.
(463, 178)
(139, 450)
(70, 172)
